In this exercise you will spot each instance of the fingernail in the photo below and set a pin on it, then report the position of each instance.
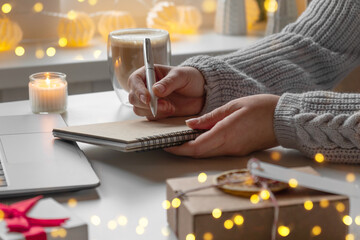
(160, 88)
(192, 121)
(143, 99)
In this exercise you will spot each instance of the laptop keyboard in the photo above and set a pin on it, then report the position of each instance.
(3, 182)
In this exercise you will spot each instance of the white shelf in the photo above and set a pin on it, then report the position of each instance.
(90, 63)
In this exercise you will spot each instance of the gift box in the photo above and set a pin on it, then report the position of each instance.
(303, 213)
(60, 222)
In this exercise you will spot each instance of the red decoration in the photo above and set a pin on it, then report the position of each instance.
(32, 228)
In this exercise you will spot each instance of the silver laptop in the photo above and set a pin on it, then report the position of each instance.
(32, 161)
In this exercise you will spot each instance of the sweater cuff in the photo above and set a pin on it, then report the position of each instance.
(208, 67)
(288, 106)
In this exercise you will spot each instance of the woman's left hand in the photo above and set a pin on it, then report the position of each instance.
(238, 128)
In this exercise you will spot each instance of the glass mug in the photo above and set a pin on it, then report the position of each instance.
(125, 55)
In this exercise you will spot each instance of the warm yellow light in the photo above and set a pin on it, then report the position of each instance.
(165, 231)
(140, 230)
(254, 199)
(97, 54)
(216, 213)
(357, 220)
(112, 225)
(71, 14)
(19, 51)
(265, 194)
(350, 237)
(6, 8)
(58, 233)
(92, 2)
(143, 222)
(2, 215)
(95, 220)
(202, 177)
(38, 7)
(319, 158)
(275, 155)
(271, 5)
(79, 57)
(39, 53)
(176, 202)
(190, 236)
(324, 203)
(316, 231)
(340, 207)
(308, 205)
(62, 42)
(72, 202)
(293, 183)
(238, 220)
(347, 220)
(228, 224)
(81, 0)
(350, 177)
(62, 232)
(50, 52)
(283, 231)
(166, 204)
(208, 6)
(122, 220)
(208, 236)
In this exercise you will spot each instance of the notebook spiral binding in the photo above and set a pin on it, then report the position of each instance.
(167, 140)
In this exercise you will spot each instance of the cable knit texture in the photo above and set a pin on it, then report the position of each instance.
(314, 53)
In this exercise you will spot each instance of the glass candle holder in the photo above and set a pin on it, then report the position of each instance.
(48, 92)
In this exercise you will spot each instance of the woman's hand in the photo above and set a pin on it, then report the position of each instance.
(238, 128)
(180, 91)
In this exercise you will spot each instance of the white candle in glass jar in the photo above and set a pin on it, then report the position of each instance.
(48, 92)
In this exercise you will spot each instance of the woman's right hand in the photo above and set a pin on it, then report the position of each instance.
(180, 92)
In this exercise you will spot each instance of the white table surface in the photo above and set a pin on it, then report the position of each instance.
(133, 184)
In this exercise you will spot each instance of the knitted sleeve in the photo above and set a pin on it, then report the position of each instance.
(314, 53)
(320, 122)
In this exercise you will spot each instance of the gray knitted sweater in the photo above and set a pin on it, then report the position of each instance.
(300, 63)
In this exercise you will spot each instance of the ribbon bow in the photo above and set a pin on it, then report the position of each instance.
(32, 228)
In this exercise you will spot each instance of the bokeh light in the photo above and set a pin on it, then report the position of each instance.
(228, 224)
(72, 202)
(275, 155)
(209, 6)
(95, 220)
(165, 231)
(6, 8)
(347, 220)
(350, 177)
(38, 7)
(238, 220)
(319, 158)
(271, 5)
(176, 202)
(112, 225)
(190, 236)
(50, 52)
(63, 42)
(216, 213)
(350, 237)
(122, 220)
(293, 183)
(265, 194)
(92, 2)
(202, 177)
(71, 14)
(254, 199)
(19, 51)
(144, 222)
(340, 207)
(39, 53)
(283, 231)
(166, 204)
(308, 205)
(140, 230)
(316, 230)
(97, 53)
(357, 220)
(208, 236)
(324, 203)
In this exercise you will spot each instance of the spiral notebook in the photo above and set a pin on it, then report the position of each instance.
(132, 135)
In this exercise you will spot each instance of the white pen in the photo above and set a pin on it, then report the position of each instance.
(150, 74)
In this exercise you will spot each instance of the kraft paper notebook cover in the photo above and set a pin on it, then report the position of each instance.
(132, 135)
